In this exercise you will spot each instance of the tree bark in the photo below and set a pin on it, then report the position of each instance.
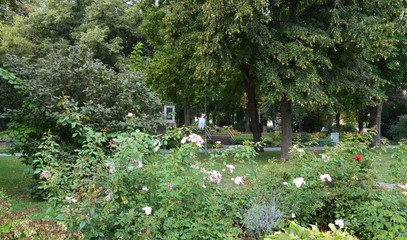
(251, 103)
(361, 118)
(187, 112)
(338, 121)
(286, 127)
(375, 121)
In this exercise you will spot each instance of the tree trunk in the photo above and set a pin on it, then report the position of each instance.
(361, 118)
(286, 127)
(338, 121)
(375, 121)
(251, 103)
(187, 112)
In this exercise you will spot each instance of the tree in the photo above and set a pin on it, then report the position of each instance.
(287, 47)
(108, 28)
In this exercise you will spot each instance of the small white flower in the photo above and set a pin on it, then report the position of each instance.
(293, 215)
(147, 210)
(130, 114)
(339, 223)
(195, 166)
(203, 186)
(145, 189)
(325, 157)
(325, 177)
(71, 199)
(139, 164)
(230, 167)
(218, 142)
(184, 140)
(285, 183)
(239, 180)
(298, 181)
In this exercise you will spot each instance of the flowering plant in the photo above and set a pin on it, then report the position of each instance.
(145, 193)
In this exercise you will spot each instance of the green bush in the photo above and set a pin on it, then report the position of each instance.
(48, 88)
(398, 167)
(399, 130)
(295, 231)
(338, 185)
(121, 186)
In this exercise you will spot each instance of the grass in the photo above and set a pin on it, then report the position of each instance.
(14, 182)
(381, 165)
(4, 148)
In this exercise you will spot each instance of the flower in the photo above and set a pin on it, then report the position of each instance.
(215, 177)
(184, 140)
(231, 168)
(193, 138)
(145, 189)
(325, 177)
(45, 174)
(108, 197)
(298, 181)
(218, 142)
(195, 166)
(147, 210)
(130, 114)
(169, 185)
(71, 199)
(203, 186)
(285, 183)
(358, 158)
(339, 223)
(140, 164)
(239, 180)
(325, 157)
(293, 215)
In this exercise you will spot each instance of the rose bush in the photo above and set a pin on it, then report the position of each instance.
(122, 186)
(340, 187)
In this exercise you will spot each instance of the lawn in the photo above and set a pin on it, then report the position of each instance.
(381, 165)
(4, 148)
(14, 182)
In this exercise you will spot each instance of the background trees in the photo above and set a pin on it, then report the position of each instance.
(344, 57)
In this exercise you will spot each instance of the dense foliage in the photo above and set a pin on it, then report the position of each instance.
(150, 194)
(71, 80)
(340, 185)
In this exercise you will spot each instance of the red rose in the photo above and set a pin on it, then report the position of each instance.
(358, 158)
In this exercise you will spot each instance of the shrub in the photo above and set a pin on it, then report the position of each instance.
(295, 231)
(68, 79)
(261, 218)
(120, 186)
(339, 184)
(19, 225)
(398, 167)
(399, 130)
